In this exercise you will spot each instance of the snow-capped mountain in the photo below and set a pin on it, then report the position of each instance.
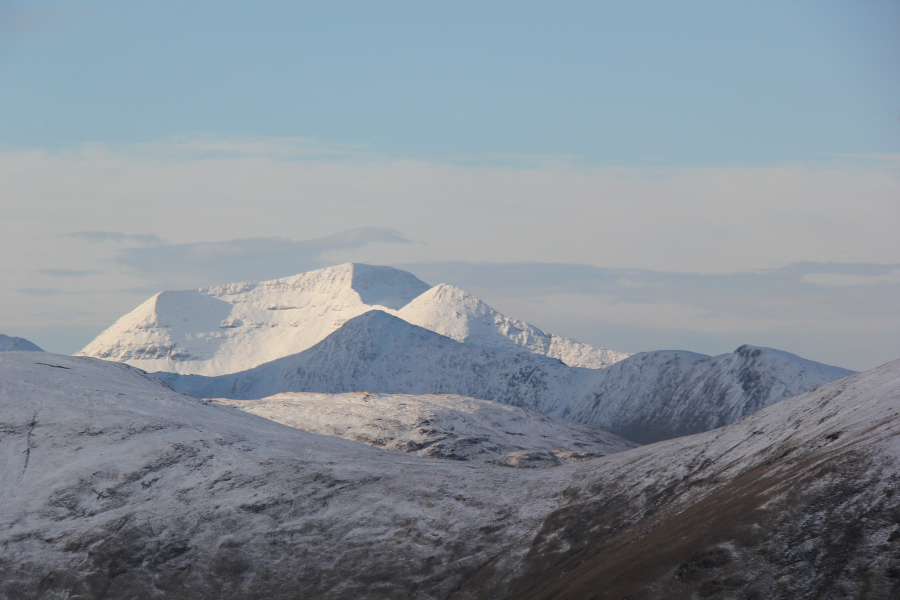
(439, 426)
(450, 311)
(653, 396)
(114, 486)
(9, 343)
(645, 398)
(231, 328)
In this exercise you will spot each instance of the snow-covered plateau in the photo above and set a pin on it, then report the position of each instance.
(230, 328)
(645, 398)
(114, 486)
(439, 426)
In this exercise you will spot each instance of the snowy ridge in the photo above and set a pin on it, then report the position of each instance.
(9, 344)
(439, 426)
(112, 483)
(232, 328)
(659, 395)
(382, 353)
(797, 500)
(450, 311)
(644, 398)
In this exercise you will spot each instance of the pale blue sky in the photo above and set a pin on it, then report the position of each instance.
(703, 174)
(623, 83)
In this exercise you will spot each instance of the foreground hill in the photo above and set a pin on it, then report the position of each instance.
(645, 398)
(114, 487)
(798, 500)
(440, 426)
(225, 329)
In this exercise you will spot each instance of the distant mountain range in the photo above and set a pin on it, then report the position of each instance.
(645, 398)
(362, 327)
(231, 328)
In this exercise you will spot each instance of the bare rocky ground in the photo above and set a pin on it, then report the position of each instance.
(113, 486)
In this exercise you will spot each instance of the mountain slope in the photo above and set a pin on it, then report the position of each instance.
(660, 395)
(798, 500)
(439, 426)
(451, 312)
(382, 353)
(112, 486)
(231, 328)
(645, 398)
(8, 344)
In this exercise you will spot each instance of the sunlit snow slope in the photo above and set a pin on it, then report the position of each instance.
(440, 426)
(645, 398)
(461, 316)
(231, 328)
(234, 327)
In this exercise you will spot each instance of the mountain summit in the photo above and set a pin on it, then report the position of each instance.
(645, 398)
(226, 329)
(229, 328)
(452, 312)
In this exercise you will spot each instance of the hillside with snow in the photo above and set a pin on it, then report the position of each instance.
(644, 398)
(231, 328)
(439, 426)
(11, 344)
(114, 486)
(460, 316)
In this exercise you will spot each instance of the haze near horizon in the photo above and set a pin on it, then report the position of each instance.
(636, 176)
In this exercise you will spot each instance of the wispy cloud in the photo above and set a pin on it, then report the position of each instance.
(890, 160)
(840, 313)
(206, 145)
(250, 259)
(143, 239)
(795, 294)
(42, 291)
(67, 272)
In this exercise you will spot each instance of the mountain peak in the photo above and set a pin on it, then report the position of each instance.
(16, 344)
(234, 327)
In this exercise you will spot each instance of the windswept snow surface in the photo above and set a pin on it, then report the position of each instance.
(226, 329)
(113, 486)
(9, 344)
(645, 398)
(439, 426)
